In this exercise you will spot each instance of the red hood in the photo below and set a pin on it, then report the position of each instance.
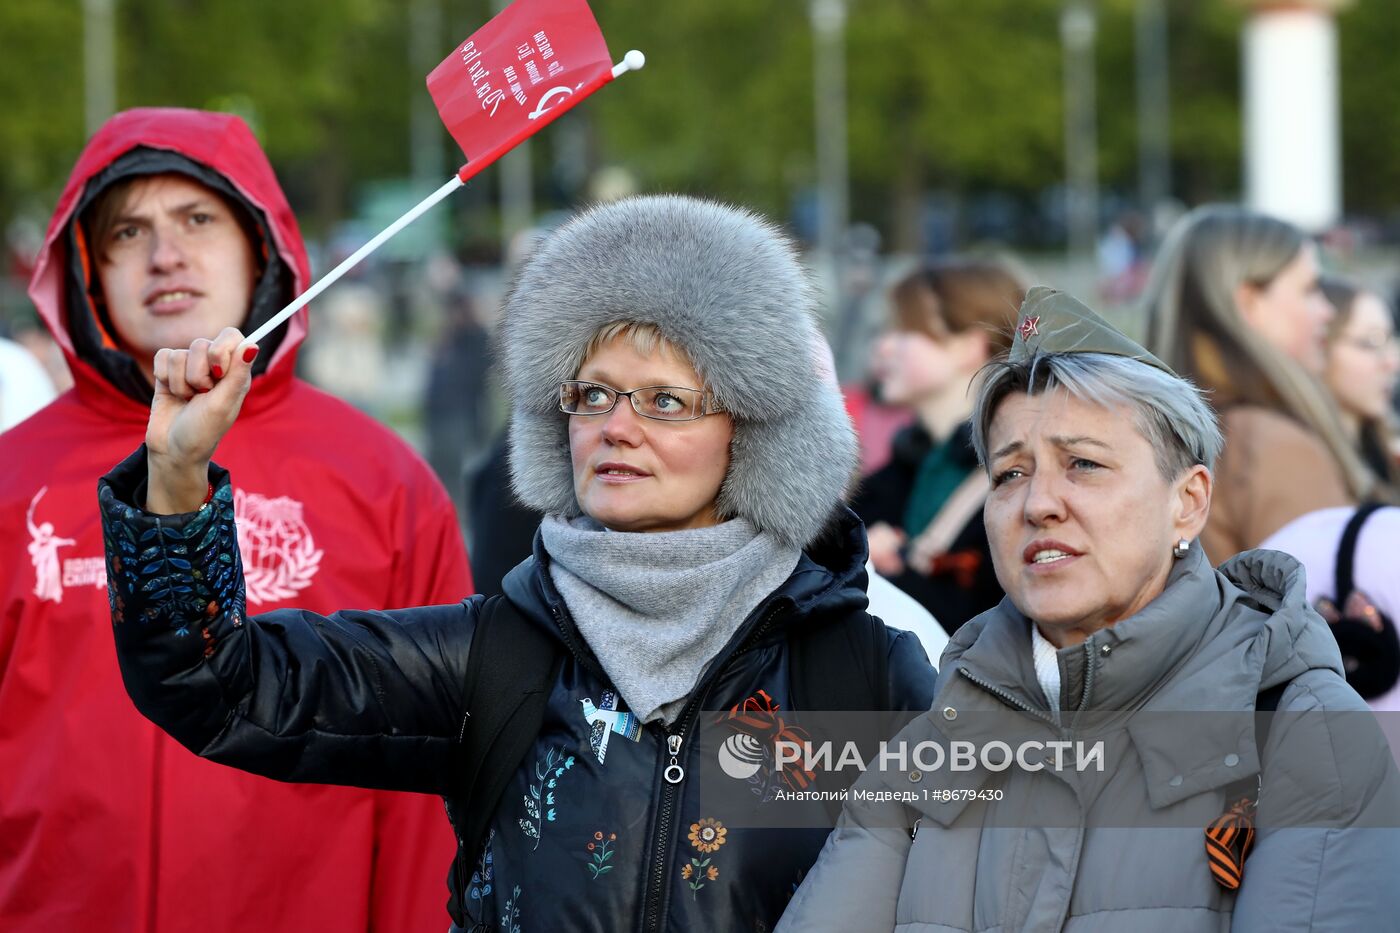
(220, 141)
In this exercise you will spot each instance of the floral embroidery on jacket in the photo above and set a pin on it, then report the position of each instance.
(510, 916)
(485, 871)
(539, 803)
(706, 836)
(601, 848)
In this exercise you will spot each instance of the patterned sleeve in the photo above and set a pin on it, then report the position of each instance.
(175, 588)
(179, 572)
(360, 697)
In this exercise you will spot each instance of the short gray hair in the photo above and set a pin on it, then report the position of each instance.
(1170, 413)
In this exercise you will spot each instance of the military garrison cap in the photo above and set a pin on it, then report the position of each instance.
(1054, 322)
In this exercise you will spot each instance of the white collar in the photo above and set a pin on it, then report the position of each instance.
(1047, 668)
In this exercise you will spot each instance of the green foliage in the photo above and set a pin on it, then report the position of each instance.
(1369, 35)
(1206, 110)
(943, 95)
(41, 125)
(725, 103)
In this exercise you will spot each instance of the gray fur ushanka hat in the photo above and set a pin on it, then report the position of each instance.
(723, 286)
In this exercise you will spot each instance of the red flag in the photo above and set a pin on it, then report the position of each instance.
(532, 62)
(515, 75)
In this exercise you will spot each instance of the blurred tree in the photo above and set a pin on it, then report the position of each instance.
(1207, 133)
(946, 98)
(1369, 37)
(325, 85)
(953, 101)
(943, 96)
(41, 82)
(724, 105)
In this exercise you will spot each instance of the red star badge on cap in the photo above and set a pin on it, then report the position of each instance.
(1030, 327)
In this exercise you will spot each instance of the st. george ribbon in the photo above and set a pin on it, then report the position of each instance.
(533, 62)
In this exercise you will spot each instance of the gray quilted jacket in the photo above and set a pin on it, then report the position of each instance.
(1124, 848)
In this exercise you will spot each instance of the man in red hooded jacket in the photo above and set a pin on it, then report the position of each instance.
(171, 227)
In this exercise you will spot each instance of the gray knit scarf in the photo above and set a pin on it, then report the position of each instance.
(657, 607)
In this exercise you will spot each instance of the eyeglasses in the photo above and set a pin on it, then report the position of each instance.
(660, 403)
(1381, 346)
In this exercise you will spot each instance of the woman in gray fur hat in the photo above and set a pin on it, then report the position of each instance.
(671, 421)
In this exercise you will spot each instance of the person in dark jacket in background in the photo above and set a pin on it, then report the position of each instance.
(456, 401)
(500, 528)
(670, 421)
(923, 509)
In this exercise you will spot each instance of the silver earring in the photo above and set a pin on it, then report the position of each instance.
(1181, 548)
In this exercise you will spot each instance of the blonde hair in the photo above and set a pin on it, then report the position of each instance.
(641, 336)
(1195, 326)
(644, 338)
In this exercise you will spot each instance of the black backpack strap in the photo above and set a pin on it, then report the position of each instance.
(1346, 553)
(1264, 707)
(1369, 645)
(510, 668)
(843, 666)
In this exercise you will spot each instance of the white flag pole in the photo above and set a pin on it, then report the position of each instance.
(632, 61)
(352, 260)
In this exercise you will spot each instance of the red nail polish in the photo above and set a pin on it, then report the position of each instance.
(250, 354)
(217, 370)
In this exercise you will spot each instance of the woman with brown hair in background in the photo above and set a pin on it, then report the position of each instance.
(924, 508)
(1234, 305)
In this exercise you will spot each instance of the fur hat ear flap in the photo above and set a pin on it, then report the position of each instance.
(541, 470)
(724, 287)
(787, 475)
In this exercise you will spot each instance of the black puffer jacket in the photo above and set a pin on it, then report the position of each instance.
(581, 840)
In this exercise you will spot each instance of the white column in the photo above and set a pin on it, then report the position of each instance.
(829, 87)
(99, 63)
(1292, 128)
(425, 132)
(1078, 32)
(1151, 61)
(515, 178)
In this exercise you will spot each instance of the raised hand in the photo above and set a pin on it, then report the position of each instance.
(198, 394)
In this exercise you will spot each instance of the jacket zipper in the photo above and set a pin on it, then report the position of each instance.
(1088, 675)
(761, 630)
(1089, 658)
(670, 789)
(674, 774)
(574, 648)
(1008, 698)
